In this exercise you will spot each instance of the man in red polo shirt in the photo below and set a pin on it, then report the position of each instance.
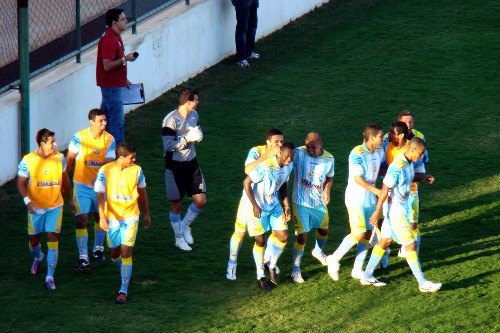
(111, 72)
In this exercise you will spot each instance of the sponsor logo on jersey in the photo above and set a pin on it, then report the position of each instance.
(48, 184)
(310, 184)
(120, 197)
(94, 164)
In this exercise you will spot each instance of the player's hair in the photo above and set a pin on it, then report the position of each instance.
(405, 113)
(124, 149)
(371, 130)
(417, 142)
(401, 127)
(43, 135)
(287, 145)
(94, 113)
(272, 132)
(112, 15)
(320, 138)
(186, 94)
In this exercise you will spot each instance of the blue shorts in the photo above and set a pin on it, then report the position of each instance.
(85, 199)
(46, 220)
(359, 218)
(122, 232)
(273, 220)
(307, 218)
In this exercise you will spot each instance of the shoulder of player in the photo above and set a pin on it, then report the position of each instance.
(399, 161)
(418, 134)
(326, 155)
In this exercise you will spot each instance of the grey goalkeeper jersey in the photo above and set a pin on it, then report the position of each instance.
(174, 129)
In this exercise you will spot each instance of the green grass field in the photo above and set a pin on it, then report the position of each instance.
(346, 64)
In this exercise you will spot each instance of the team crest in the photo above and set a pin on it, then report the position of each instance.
(122, 183)
(96, 151)
(46, 171)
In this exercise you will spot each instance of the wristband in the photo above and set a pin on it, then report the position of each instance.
(124, 61)
(26, 200)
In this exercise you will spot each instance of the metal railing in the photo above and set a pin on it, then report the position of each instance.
(59, 30)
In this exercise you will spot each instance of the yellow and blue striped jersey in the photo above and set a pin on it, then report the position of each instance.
(267, 178)
(310, 174)
(44, 178)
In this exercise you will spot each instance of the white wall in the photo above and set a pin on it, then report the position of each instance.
(174, 46)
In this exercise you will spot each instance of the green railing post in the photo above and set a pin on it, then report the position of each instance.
(24, 72)
(78, 31)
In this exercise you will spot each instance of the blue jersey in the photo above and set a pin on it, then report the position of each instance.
(366, 164)
(267, 178)
(399, 178)
(310, 174)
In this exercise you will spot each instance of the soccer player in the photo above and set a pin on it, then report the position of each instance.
(180, 130)
(88, 150)
(313, 170)
(119, 185)
(260, 206)
(398, 180)
(360, 199)
(256, 155)
(407, 117)
(41, 180)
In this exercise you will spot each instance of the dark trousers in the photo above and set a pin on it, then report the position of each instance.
(246, 27)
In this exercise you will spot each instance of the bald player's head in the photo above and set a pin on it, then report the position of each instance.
(415, 149)
(314, 144)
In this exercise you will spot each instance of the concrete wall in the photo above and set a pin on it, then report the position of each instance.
(174, 46)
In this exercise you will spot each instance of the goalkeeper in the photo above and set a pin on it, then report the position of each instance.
(180, 130)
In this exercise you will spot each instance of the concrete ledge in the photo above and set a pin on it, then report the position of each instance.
(174, 45)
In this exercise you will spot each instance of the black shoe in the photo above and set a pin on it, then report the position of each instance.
(121, 299)
(98, 255)
(82, 265)
(275, 278)
(263, 285)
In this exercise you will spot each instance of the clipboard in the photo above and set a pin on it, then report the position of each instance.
(134, 94)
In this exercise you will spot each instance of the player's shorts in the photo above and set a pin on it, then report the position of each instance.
(359, 218)
(46, 220)
(396, 226)
(183, 178)
(122, 232)
(85, 199)
(273, 220)
(307, 218)
(414, 203)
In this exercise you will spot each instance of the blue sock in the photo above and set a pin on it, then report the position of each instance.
(99, 236)
(117, 261)
(275, 248)
(191, 214)
(36, 252)
(258, 256)
(320, 242)
(377, 254)
(297, 253)
(414, 263)
(175, 221)
(52, 256)
(344, 247)
(126, 273)
(361, 250)
(82, 238)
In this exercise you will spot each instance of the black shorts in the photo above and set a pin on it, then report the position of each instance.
(183, 178)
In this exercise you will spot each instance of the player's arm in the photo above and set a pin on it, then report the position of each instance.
(424, 178)
(283, 191)
(247, 185)
(270, 152)
(22, 188)
(367, 186)
(66, 191)
(70, 160)
(172, 142)
(103, 221)
(143, 199)
(384, 192)
(325, 196)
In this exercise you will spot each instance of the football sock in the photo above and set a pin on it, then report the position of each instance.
(320, 242)
(52, 256)
(361, 250)
(418, 237)
(117, 261)
(344, 247)
(191, 214)
(36, 252)
(100, 234)
(258, 256)
(175, 221)
(82, 238)
(276, 250)
(414, 263)
(126, 273)
(297, 253)
(234, 249)
(377, 254)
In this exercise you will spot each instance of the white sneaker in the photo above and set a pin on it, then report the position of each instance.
(320, 256)
(333, 267)
(297, 277)
(181, 244)
(231, 272)
(402, 252)
(430, 287)
(357, 274)
(186, 233)
(372, 282)
(243, 63)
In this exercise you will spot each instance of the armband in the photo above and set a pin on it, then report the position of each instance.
(26, 200)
